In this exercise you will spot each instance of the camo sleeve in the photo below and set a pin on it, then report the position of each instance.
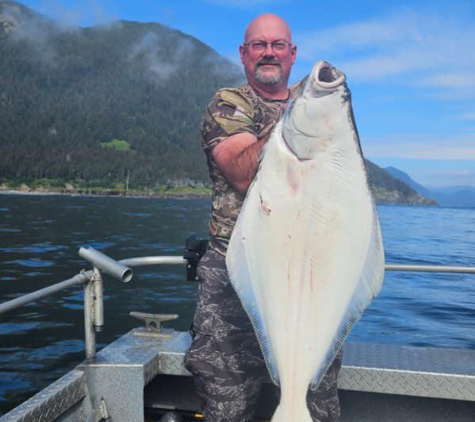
(228, 113)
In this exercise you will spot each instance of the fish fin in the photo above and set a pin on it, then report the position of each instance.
(369, 285)
(343, 331)
(238, 264)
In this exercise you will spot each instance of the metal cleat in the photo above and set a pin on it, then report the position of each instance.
(101, 414)
(153, 324)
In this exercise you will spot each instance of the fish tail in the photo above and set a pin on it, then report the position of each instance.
(292, 412)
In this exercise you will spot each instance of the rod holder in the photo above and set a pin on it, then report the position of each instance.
(106, 264)
(90, 335)
(98, 290)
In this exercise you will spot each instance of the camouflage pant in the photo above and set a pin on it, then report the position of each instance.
(225, 358)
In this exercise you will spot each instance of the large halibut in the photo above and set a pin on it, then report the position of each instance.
(306, 256)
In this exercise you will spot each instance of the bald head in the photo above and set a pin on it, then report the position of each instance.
(266, 24)
(268, 55)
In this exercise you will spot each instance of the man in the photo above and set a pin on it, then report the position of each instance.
(225, 358)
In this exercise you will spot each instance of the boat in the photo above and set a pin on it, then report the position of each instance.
(141, 376)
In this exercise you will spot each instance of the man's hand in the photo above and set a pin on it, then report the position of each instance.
(238, 159)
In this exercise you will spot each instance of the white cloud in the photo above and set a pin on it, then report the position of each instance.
(150, 49)
(372, 33)
(77, 13)
(441, 178)
(419, 48)
(467, 116)
(35, 32)
(451, 84)
(421, 147)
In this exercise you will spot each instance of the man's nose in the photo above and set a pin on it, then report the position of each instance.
(269, 51)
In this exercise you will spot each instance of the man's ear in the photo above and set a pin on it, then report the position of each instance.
(242, 53)
(294, 53)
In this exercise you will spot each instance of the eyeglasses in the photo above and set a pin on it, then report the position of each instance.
(259, 45)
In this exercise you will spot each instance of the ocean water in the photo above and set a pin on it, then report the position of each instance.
(40, 237)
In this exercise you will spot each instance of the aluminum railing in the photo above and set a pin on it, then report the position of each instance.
(430, 268)
(93, 288)
(120, 270)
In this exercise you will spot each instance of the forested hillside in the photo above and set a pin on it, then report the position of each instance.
(65, 92)
(112, 106)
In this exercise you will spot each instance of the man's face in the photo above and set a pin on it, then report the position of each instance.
(267, 53)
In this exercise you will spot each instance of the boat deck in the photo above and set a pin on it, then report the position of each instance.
(135, 376)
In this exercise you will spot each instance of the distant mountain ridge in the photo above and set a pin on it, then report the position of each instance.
(114, 104)
(456, 196)
(398, 174)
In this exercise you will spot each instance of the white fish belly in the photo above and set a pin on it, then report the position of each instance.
(306, 257)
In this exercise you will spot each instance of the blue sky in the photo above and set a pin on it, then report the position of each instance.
(410, 65)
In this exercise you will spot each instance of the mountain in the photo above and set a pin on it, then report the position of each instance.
(66, 92)
(391, 190)
(113, 104)
(455, 196)
(398, 174)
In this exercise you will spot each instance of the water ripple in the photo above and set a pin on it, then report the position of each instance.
(44, 247)
(38, 263)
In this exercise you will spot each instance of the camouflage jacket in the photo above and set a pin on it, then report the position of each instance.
(232, 111)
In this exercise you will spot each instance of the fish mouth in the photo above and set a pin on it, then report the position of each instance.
(324, 81)
(326, 76)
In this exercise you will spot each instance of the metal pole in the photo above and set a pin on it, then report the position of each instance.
(34, 296)
(106, 264)
(98, 287)
(430, 268)
(154, 260)
(83, 277)
(89, 334)
(177, 260)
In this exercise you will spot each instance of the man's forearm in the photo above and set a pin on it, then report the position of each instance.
(238, 159)
(247, 164)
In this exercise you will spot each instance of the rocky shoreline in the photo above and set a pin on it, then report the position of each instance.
(25, 190)
(381, 197)
(384, 197)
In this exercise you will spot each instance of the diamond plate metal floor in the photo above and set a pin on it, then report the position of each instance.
(411, 371)
(419, 379)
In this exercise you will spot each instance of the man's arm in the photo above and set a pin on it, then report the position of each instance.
(238, 158)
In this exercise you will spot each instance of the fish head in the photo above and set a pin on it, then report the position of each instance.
(310, 120)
